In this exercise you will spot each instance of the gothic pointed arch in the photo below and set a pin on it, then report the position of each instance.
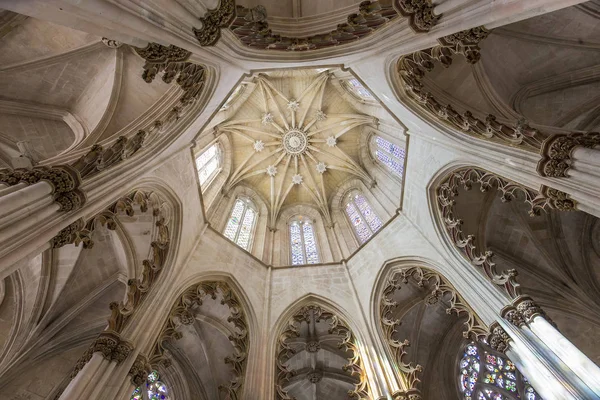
(315, 343)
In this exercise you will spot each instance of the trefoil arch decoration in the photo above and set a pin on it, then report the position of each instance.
(183, 313)
(465, 177)
(337, 326)
(439, 290)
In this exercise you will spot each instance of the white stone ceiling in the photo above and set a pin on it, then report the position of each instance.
(295, 139)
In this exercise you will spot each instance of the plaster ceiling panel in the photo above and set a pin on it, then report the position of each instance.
(135, 95)
(47, 137)
(34, 39)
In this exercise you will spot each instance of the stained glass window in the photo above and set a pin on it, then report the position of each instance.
(207, 164)
(389, 154)
(487, 375)
(241, 223)
(362, 217)
(359, 89)
(155, 389)
(303, 243)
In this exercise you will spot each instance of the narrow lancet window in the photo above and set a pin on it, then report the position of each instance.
(303, 243)
(208, 164)
(362, 217)
(389, 154)
(241, 223)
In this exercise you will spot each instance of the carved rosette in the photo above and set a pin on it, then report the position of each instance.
(64, 179)
(113, 44)
(420, 14)
(139, 370)
(213, 21)
(557, 149)
(183, 313)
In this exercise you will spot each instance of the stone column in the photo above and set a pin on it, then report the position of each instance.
(94, 369)
(579, 373)
(29, 199)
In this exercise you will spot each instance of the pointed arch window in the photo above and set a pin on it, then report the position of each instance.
(358, 89)
(362, 217)
(389, 154)
(485, 374)
(208, 165)
(242, 222)
(155, 389)
(303, 243)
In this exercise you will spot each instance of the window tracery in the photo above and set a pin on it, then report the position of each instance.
(155, 389)
(487, 375)
(303, 243)
(241, 223)
(362, 217)
(389, 154)
(208, 164)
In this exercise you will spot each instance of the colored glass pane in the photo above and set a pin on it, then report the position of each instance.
(370, 217)
(361, 229)
(243, 239)
(360, 89)
(155, 389)
(234, 220)
(390, 155)
(310, 245)
(296, 244)
(207, 163)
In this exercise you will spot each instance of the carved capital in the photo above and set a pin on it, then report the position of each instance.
(420, 14)
(213, 21)
(513, 316)
(139, 370)
(498, 338)
(528, 308)
(67, 235)
(112, 347)
(556, 152)
(557, 199)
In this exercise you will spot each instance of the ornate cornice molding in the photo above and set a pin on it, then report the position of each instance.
(446, 201)
(182, 313)
(172, 62)
(213, 21)
(110, 345)
(439, 289)
(64, 179)
(252, 29)
(557, 150)
(285, 352)
(420, 14)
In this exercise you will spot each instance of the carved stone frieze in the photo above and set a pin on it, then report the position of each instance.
(183, 313)
(557, 149)
(446, 200)
(67, 235)
(420, 14)
(98, 159)
(139, 370)
(252, 28)
(172, 62)
(64, 179)
(498, 339)
(213, 21)
(285, 352)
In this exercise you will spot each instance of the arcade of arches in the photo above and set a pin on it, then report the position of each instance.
(299, 199)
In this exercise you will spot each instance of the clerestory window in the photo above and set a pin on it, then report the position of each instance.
(242, 222)
(303, 243)
(362, 217)
(390, 155)
(208, 164)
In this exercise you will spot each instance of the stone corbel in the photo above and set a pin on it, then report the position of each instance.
(420, 14)
(498, 339)
(139, 370)
(557, 152)
(213, 21)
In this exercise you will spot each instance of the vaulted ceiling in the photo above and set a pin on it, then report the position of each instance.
(544, 69)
